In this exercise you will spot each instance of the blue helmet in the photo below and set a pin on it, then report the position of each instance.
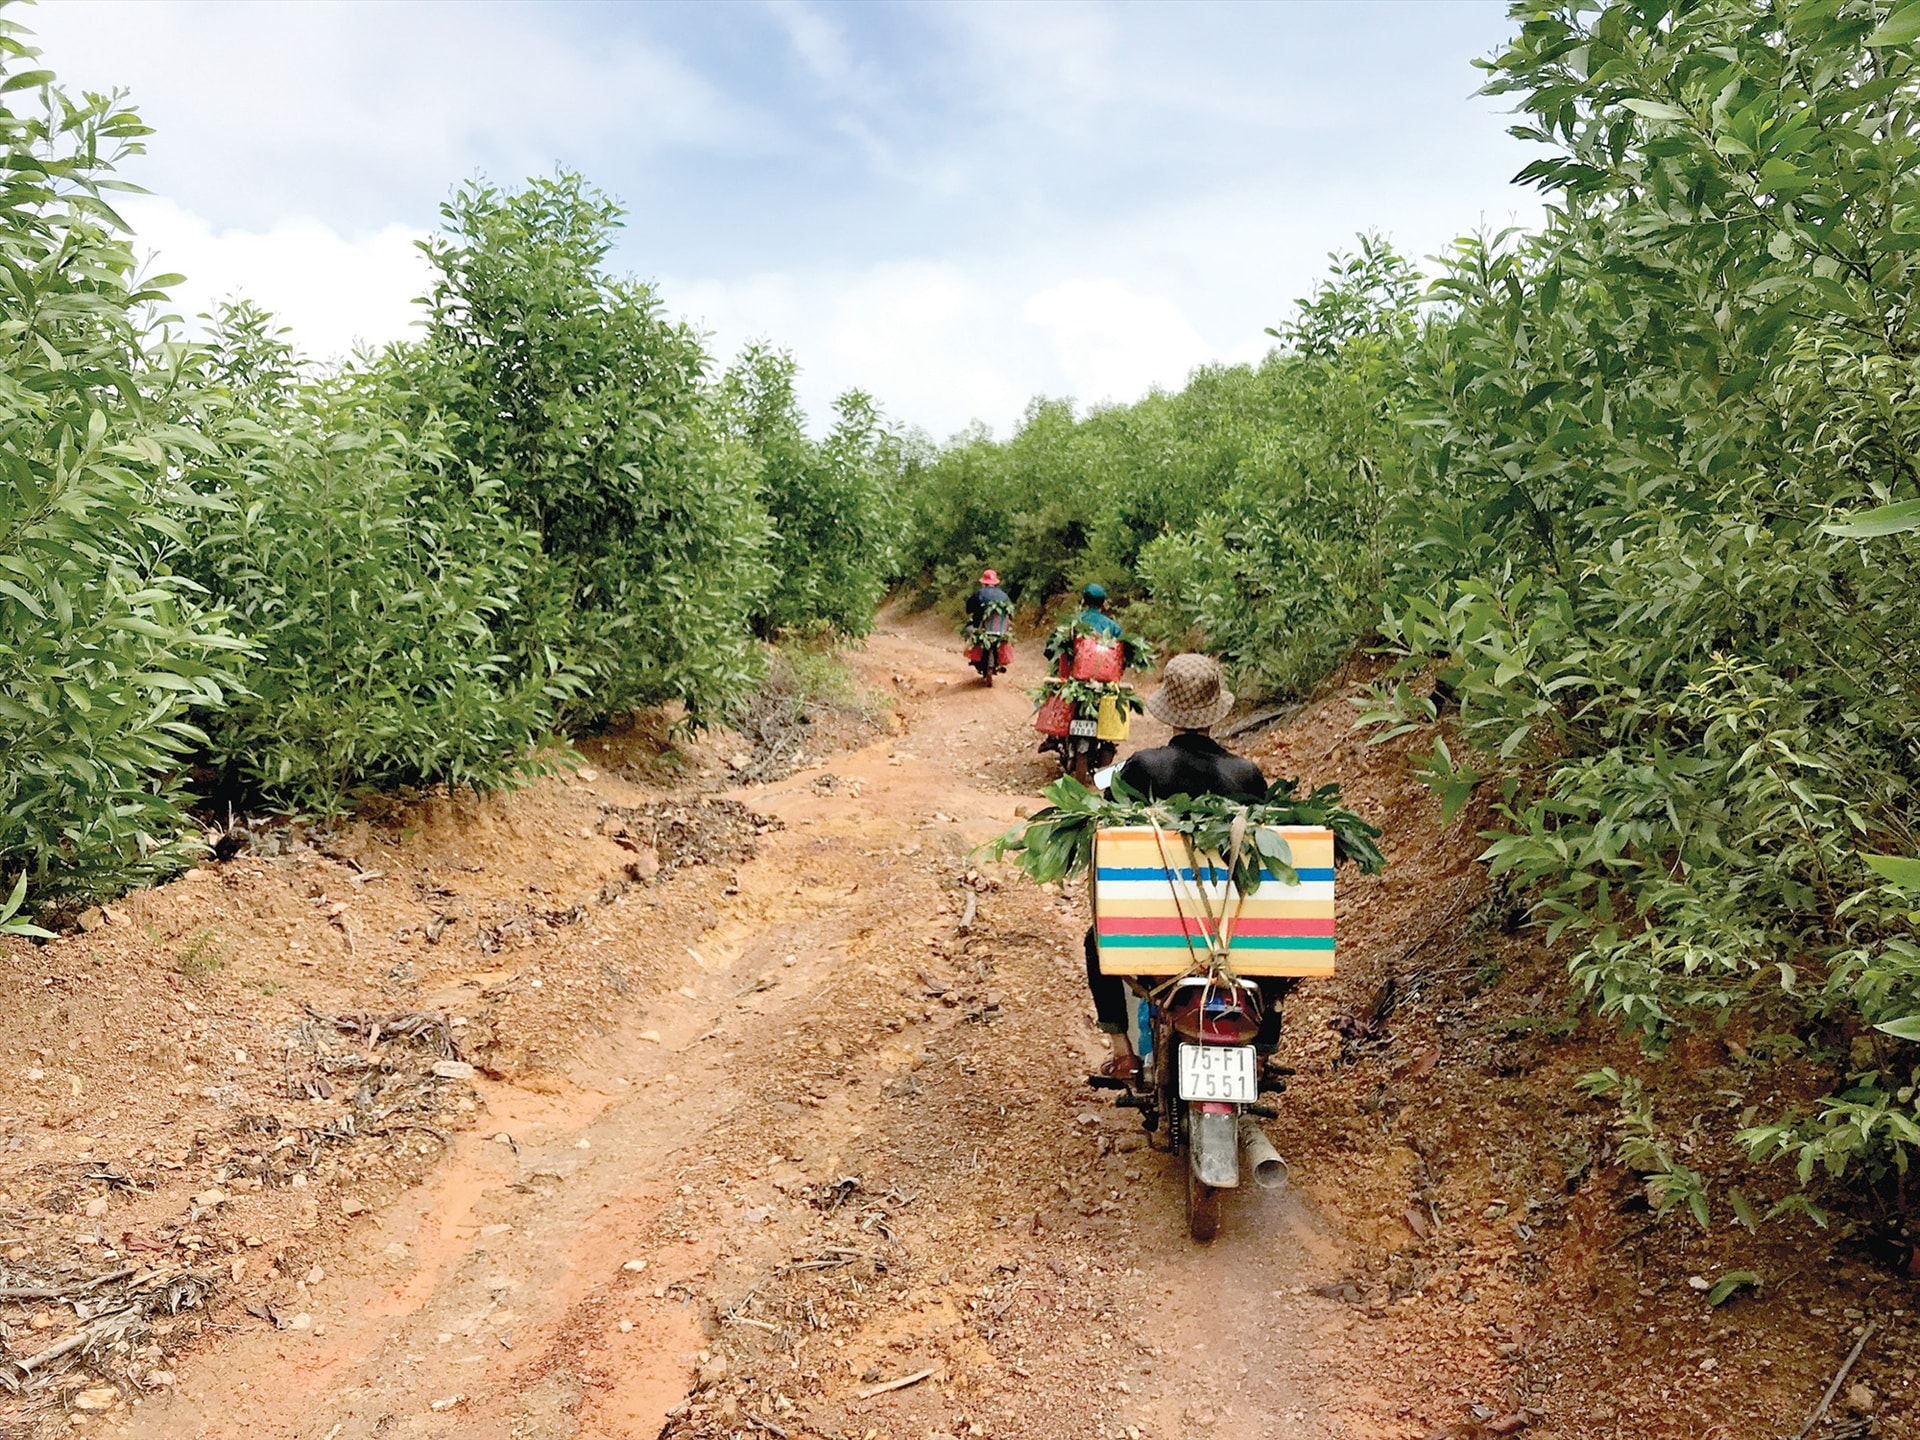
(1095, 592)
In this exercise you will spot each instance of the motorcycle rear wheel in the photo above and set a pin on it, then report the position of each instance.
(1203, 1206)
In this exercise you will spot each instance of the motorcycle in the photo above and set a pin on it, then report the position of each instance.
(1085, 709)
(989, 642)
(1199, 1074)
(1082, 751)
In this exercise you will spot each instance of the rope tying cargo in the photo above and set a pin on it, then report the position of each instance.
(1217, 925)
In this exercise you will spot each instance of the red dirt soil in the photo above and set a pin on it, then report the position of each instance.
(734, 1125)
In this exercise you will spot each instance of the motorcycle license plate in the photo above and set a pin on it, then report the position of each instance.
(1085, 729)
(1225, 1073)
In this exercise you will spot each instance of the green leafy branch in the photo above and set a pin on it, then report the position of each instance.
(1057, 843)
(1086, 695)
(10, 910)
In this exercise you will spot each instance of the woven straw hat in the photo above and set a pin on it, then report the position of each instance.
(1194, 695)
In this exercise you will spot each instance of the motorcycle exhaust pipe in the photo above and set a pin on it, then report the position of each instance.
(1269, 1170)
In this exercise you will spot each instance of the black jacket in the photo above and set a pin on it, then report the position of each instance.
(1193, 764)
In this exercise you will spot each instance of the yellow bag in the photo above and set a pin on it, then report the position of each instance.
(1114, 722)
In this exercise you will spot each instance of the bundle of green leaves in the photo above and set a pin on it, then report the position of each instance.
(1086, 695)
(993, 627)
(1057, 843)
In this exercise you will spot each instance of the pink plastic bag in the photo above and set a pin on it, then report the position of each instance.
(1097, 659)
(1055, 717)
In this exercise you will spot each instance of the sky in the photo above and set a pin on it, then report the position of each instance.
(955, 207)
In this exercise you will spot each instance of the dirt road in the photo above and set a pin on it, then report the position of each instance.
(843, 1145)
(778, 1146)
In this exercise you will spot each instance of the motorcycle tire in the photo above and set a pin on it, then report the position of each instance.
(1203, 1206)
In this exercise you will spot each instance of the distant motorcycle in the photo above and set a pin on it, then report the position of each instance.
(1085, 710)
(989, 641)
(1081, 747)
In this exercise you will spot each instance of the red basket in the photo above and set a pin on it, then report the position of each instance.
(1097, 659)
(1055, 717)
(974, 652)
(1006, 654)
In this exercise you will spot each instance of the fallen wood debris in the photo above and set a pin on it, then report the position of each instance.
(902, 1383)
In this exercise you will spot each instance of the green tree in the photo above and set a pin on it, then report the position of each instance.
(1644, 422)
(1282, 571)
(569, 387)
(833, 504)
(105, 648)
(377, 577)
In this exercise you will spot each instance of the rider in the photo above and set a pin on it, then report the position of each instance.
(988, 593)
(1193, 698)
(1094, 613)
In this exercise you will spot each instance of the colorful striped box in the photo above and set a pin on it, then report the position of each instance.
(1146, 923)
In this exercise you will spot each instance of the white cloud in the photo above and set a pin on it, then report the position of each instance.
(954, 206)
(271, 110)
(1050, 64)
(1114, 344)
(333, 291)
(926, 339)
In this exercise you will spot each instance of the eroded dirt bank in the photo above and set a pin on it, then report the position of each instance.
(558, 1116)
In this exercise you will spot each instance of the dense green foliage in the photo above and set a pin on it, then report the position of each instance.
(1253, 505)
(1282, 569)
(1642, 419)
(570, 388)
(104, 646)
(380, 580)
(833, 503)
(307, 582)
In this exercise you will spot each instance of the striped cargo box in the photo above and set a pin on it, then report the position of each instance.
(1142, 928)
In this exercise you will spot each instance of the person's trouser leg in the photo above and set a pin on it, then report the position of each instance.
(1109, 993)
(1273, 994)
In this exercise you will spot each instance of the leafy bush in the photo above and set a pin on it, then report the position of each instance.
(594, 412)
(1255, 507)
(1644, 420)
(375, 578)
(1023, 508)
(832, 504)
(104, 647)
(1281, 574)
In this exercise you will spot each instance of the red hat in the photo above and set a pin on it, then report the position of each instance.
(989, 577)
